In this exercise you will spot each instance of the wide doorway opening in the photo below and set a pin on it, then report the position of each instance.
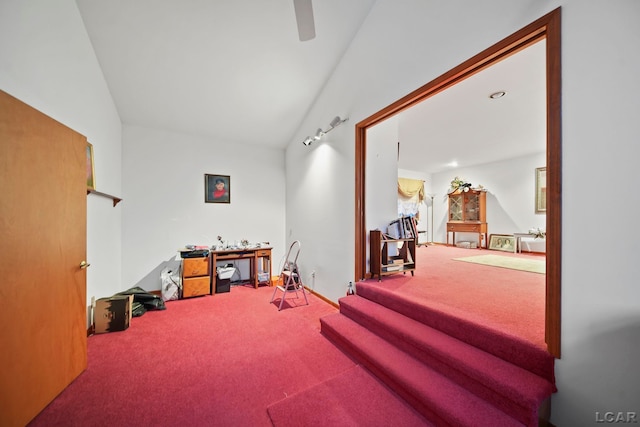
(546, 28)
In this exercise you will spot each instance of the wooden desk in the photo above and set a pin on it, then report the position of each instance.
(468, 227)
(259, 259)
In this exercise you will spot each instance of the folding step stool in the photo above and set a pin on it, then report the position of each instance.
(290, 276)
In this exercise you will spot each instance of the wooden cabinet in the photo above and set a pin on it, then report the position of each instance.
(390, 256)
(196, 276)
(263, 267)
(468, 214)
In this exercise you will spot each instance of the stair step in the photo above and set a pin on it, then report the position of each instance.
(438, 398)
(511, 388)
(514, 349)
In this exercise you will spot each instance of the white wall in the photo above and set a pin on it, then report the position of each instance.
(510, 186)
(47, 61)
(404, 44)
(164, 209)
(600, 292)
(381, 186)
(316, 186)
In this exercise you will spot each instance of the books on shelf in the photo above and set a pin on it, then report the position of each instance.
(402, 228)
(394, 229)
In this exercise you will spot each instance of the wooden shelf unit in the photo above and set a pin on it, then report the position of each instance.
(382, 263)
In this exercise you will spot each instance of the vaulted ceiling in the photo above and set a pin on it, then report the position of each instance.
(236, 71)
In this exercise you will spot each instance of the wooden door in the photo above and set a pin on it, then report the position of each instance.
(42, 243)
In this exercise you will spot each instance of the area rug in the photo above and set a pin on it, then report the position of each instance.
(531, 265)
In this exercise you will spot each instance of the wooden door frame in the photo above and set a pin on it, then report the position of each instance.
(548, 28)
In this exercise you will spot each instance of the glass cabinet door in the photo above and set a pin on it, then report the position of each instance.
(455, 208)
(471, 207)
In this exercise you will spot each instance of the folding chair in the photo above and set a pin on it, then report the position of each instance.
(290, 276)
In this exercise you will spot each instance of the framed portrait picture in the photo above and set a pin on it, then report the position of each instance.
(91, 180)
(541, 190)
(502, 242)
(217, 188)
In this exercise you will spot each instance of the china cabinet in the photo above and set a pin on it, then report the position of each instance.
(467, 214)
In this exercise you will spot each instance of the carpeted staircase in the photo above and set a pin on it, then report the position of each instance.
(451, 371)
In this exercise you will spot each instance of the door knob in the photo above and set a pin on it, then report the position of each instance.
(84, 264)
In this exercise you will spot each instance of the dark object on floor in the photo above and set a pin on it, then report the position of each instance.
(143, 301)
(199, 253)
(222, 285)
(223, 278)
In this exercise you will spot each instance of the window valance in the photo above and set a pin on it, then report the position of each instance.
(411, 188)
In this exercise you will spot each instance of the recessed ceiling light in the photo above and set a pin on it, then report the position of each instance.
(496, 95)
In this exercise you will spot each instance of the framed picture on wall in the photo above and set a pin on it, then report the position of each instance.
(541, 190)
(217, 188)
(502, 242)
(91, 180)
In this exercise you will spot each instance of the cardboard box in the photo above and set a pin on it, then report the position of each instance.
(112, 314)
(467, 245)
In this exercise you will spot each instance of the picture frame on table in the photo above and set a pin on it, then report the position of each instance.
(217, 188)
(502, 242)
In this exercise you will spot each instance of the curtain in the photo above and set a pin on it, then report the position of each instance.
(410, 195)
(409, 188)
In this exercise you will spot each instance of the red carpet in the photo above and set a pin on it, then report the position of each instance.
(451, 340)
(223, 360)
(208, 361)
(507, 300)
(353, 398)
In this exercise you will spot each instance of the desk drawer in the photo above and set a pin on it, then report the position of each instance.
(465, 228)
(192, 267)
(263, 253)
(195, 287)
(234, 255)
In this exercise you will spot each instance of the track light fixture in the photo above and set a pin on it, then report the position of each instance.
(337, 121)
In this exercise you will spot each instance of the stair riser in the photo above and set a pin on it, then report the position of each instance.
(533, 359)
(398, 387)
(467, 379)
(427, 390)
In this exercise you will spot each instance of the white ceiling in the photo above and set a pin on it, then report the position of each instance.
(236, 71)
(231, 69)
(464, 125)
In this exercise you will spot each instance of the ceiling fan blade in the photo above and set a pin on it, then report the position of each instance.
(304, 19)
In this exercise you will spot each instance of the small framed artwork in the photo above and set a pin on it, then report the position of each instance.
(91, 180)
(541, 190)
(217, 188)
(502, 242)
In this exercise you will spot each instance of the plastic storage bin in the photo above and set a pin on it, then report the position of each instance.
(223, 279)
